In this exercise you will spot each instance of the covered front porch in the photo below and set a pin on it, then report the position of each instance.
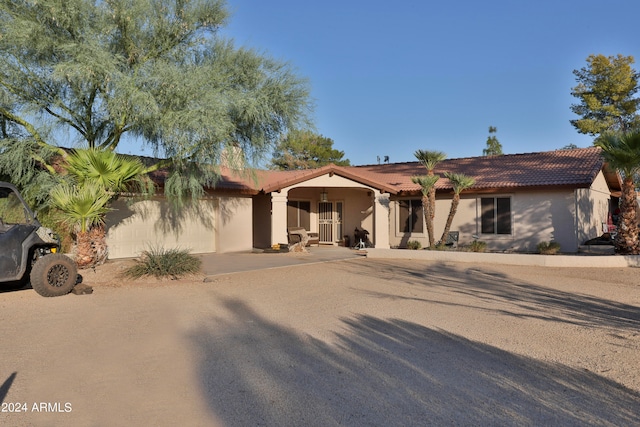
(331, 205)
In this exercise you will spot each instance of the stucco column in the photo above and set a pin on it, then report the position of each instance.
(279, 217)
(381, 220)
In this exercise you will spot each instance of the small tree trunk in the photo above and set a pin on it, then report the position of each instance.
(91, 247)
(452, 212)
(432, 213)
(83, 250)
(428, 219)
(627, 241)
(99, 244)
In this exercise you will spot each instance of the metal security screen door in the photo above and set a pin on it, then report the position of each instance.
(329, 221)
(325, 222)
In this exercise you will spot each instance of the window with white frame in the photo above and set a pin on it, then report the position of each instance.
(410, 216)
(299, 214)
(495, 215)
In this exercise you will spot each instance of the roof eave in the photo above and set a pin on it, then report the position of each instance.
(328, 170)
(499, 190)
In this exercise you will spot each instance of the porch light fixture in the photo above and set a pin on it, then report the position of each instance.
(324, 197)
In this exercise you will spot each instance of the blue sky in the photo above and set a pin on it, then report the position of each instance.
(389, 78)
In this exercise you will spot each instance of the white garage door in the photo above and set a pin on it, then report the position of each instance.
(151, 223)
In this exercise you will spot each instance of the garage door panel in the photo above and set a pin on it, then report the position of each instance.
(134, 228)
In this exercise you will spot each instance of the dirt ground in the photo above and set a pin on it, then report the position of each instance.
(358, 342)
(111, 275)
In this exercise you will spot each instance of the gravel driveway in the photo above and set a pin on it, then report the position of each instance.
(357, 342)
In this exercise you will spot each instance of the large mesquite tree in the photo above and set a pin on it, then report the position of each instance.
(94, 72)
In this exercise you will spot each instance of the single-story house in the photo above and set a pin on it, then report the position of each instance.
(517, 201)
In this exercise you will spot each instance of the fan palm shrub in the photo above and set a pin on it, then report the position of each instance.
(83, 207)
(622, 152)
(93, 179)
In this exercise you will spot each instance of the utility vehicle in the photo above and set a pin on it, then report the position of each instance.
(30, 252)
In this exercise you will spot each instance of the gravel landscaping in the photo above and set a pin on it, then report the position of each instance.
(356, 342)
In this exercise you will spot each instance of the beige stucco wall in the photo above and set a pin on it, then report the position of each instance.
(234, 224)
(464, 222)
(357, 200)
(568, 216)
(215, 224)
(593, 205)
(540, 217)
(330, 181)
(134, 228)
(357, 206)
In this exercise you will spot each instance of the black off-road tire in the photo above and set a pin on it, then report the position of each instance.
(54, 275)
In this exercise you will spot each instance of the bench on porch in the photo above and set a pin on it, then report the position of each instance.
(298, 234)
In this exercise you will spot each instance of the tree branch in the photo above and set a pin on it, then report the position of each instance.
(36, 136)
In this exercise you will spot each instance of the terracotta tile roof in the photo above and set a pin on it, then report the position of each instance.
(577, 168)
(237, 181)
(234, 181)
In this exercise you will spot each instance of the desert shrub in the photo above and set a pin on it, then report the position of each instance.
(443, 247)
(478, 246)
(160, 262)
(413, 244)
(549, 248)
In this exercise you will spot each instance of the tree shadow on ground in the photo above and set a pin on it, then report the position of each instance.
(4, 388)
(518, 299)
(389, 372)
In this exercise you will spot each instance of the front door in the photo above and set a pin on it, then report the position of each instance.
(329, 221)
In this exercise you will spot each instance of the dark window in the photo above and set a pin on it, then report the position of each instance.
(496, 215)
(410, 215)
(488, 216)
(299, 214)
(503, 215)
(11, 209)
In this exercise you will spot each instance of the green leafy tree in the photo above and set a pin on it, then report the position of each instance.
(622, 151)
(605, 90)
(154, 70)
(494, 148)
(429, 160)
(306, 150)
(459, 182)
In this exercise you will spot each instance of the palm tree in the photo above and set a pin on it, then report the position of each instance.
(429, 160)
(114, 172)
(427, 183)
(94, 178)
(622, 152)
(459, 182)
(84, 208)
